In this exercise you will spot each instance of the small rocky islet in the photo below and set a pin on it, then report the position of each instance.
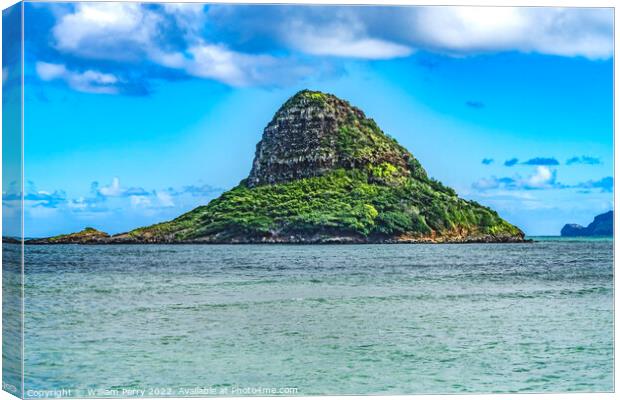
(325, 173)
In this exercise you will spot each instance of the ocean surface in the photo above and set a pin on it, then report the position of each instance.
(176, 320)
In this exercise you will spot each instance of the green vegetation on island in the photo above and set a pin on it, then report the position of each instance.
(87, 235)
(340, 203)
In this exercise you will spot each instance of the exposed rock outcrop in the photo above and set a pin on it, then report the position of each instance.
(314, 132)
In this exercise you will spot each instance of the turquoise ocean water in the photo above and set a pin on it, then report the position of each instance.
(178, 320)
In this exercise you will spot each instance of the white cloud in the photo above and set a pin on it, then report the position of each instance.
(139, 201)
(342, 41)
(219, 63)
(543, 177)
(78, 204)
(115, 189)
(133, 32)
(88, 81)
(165, 199)
(112, 190)
(109, 204)
(129, 31)
(452, 30)
(187, 10)
(508, 194)
(168, 59)
(189, 17)
(204, 60)
(487, 183)
(48, 71)
(117, 31)
(547, 30)
(93, 82)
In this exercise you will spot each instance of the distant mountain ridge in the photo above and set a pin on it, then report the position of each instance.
(603, 225)
(325, 173)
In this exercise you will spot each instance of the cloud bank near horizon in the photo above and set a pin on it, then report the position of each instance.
(543, 178)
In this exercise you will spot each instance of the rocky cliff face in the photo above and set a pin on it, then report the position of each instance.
(603, 225)
(325, 173)
(314, 132)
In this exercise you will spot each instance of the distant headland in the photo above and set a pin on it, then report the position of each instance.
(325, 173)
(603, 225)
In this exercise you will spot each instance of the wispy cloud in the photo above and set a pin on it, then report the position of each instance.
(116, 190)
(605, 184)
(34, 197)
(140, 201)
(231, 67)
(45, 199)
(542, 178)
(342, 40)
(541, 161)
(544, 161)
(102, 199)
(83, 204)
(197, 190)
(87, 81)
(165, 198)
(583, 160)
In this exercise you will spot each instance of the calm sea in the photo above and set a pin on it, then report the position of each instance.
(178, 320)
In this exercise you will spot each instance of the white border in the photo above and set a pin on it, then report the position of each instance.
(540, 3)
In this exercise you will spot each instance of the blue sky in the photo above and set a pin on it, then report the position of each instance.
(137, 113)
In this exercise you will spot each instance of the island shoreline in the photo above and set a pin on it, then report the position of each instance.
(36, 242)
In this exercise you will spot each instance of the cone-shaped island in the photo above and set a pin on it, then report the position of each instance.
(325, 173)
